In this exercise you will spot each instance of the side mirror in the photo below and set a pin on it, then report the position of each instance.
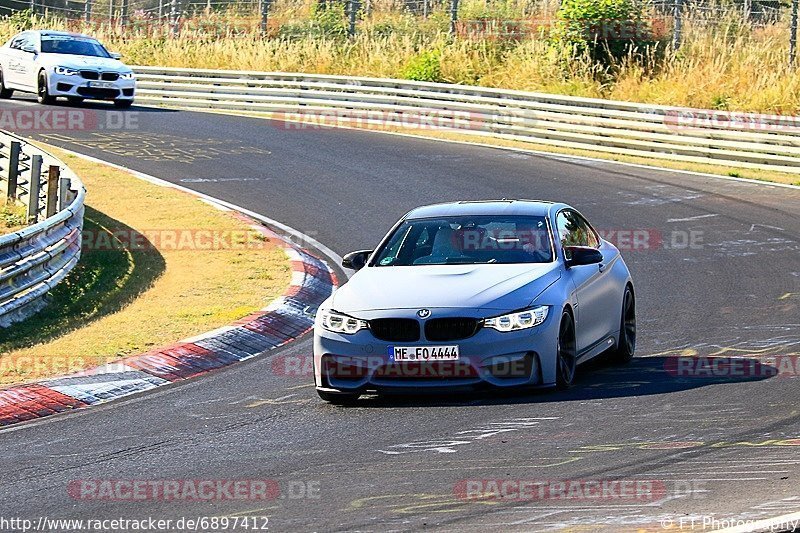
(582, 255)
(29, 48)
(115, 55)
(356, 260)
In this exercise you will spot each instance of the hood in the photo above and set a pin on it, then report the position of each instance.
(79, 62)
(500, 287)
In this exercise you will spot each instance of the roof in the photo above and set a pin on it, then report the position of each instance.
(485, 207)
(61, 33)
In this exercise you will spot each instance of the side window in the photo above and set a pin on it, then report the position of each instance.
(393, 247)
(573, 230)
(591, 236)
(22, 40)
(424, 238)
(16, 42)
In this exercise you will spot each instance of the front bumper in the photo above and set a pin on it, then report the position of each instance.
(360, 363)
(78, 87)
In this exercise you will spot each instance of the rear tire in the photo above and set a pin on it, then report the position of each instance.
(626, 345)
(123, 104)
(4, 93)
(42, 92)
(338, 398)
(566, 353)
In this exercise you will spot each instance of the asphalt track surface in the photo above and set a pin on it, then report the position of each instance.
(721, 276)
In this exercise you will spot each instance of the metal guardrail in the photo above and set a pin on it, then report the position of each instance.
(36, 258)
(742, 140)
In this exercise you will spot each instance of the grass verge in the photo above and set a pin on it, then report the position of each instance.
(12, 217)
(158, 265)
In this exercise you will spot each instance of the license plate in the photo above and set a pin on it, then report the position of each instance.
(100, 84)
(423, 353)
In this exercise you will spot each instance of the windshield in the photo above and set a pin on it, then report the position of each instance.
(73, 46)
(467, 240)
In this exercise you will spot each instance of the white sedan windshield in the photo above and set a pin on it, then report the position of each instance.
(73, 46)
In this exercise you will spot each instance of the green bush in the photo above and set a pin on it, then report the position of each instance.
(425, 66)
(605, 29)
(325, 21)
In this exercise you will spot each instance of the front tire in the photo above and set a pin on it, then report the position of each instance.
(626, 345)
(566, 353)
(4, 93)
(42, 91)
(338, 398)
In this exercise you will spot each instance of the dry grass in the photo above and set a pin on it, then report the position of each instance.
(727, 65)
(12, 217)
(125, 301)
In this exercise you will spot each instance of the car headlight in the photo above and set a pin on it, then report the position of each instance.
(516, 321)
(126, 76)
(66, 71)
(339, 323)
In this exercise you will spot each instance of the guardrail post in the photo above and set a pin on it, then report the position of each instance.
(793, 34)
(453, 16)
(33, 189)
(123, 14)
(677, 25)
(51, 199)
(13, 170)
(173, 18)
(351, 31)
(264, 6)
(87, 11)
(63, 193)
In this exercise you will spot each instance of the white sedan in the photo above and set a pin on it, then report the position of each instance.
(53, 64)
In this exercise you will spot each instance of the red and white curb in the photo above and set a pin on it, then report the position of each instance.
(283, 320)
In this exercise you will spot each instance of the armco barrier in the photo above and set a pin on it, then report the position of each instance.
(743, 140)
(34, 259)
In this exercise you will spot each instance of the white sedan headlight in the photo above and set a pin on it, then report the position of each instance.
(66, 71)
(126, 76)
(516, 321)
(339, 323)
